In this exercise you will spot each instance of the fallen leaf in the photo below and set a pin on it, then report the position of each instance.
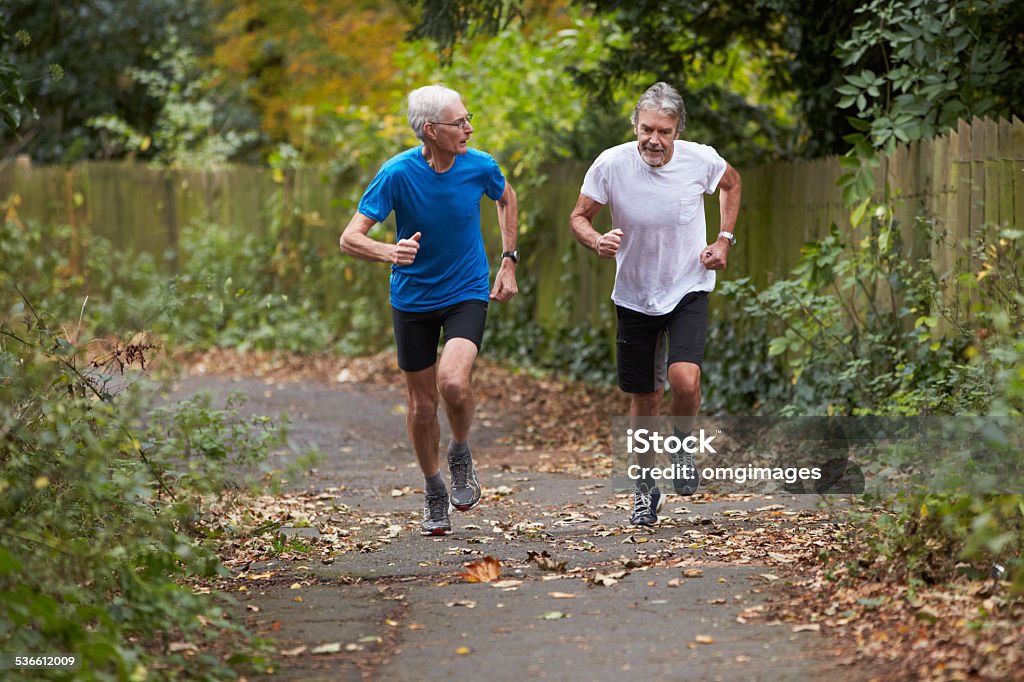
(330, 648)
(807, 627)
(561, 595)
(507, 584)
(545, 562)
(468, 603)
(554, 615)
(462, 650)
(607, 580)
(704, 639)
(693, 573)
(293, 652)
(175, 647)
(486, 570)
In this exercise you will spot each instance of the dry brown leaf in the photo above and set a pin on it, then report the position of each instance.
(486, 570)
(561, 595)
(545, 562)
(704, 639)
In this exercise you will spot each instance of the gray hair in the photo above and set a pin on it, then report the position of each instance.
(662, 98)
(427, 103)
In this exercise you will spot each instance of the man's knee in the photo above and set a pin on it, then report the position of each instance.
(455, 388)
(684, 379)
(422, 406)
(647, 402)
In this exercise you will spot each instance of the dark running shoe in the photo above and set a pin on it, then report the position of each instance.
(646, 506)
(435, 515)
(689, 484)
(465, 488)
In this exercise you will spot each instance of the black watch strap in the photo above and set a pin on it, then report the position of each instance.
(514, 255)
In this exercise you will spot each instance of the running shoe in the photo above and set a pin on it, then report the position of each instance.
(465, 488)
(435, 515)
(646, 506)
(685, 485)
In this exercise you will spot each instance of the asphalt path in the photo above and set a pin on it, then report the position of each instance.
(628, 604)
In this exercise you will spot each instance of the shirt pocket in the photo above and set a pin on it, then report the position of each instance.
(688, 207)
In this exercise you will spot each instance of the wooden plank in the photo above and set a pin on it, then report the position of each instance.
(992, 165)
(941, 255)
(979, 140)
(1017, 164)
(962, 232)
(1005, 174)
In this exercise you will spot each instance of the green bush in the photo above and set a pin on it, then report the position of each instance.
(97, 534)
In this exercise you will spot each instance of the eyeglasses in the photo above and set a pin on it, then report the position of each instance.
(461, 123)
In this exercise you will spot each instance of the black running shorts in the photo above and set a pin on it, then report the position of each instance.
(647, 344)
(417, 334)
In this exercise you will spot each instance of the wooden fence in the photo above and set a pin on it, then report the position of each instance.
(964, 180)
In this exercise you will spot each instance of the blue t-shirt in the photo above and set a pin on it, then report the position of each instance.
(451, 265)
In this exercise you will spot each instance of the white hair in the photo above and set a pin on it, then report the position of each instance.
(427, 103)
(664, 99)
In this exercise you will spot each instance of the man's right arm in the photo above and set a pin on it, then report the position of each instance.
(355, 241)
(582, 223)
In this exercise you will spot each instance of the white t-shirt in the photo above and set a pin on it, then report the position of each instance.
(661, 214)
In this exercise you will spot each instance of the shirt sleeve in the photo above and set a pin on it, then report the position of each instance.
(715, 170)
(495, 183)
(595, 184)
(377, 201)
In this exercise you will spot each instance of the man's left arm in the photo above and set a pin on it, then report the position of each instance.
(505, 286)
(715, 256)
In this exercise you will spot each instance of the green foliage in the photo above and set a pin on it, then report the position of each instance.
(741, 377)
(97, 514)
(190, 129)
(447, 22)
(933, 538)
(939, 66)
(866, 327)
(12, 87)
(576, 351)
(912, 69)
(94, 44)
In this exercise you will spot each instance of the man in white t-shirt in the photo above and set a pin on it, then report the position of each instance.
(665, 268)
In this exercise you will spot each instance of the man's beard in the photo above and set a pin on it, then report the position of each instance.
(653, 157)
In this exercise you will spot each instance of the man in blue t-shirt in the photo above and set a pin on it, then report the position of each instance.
(439, 280)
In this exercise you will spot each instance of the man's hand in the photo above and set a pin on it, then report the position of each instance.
(607, 245)
(505, 286)
(404, 252)
(715, 255)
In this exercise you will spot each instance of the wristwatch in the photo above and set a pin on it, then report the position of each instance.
(514, 255)
(728, 235)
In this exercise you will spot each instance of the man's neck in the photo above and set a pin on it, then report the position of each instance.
(438, 160)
